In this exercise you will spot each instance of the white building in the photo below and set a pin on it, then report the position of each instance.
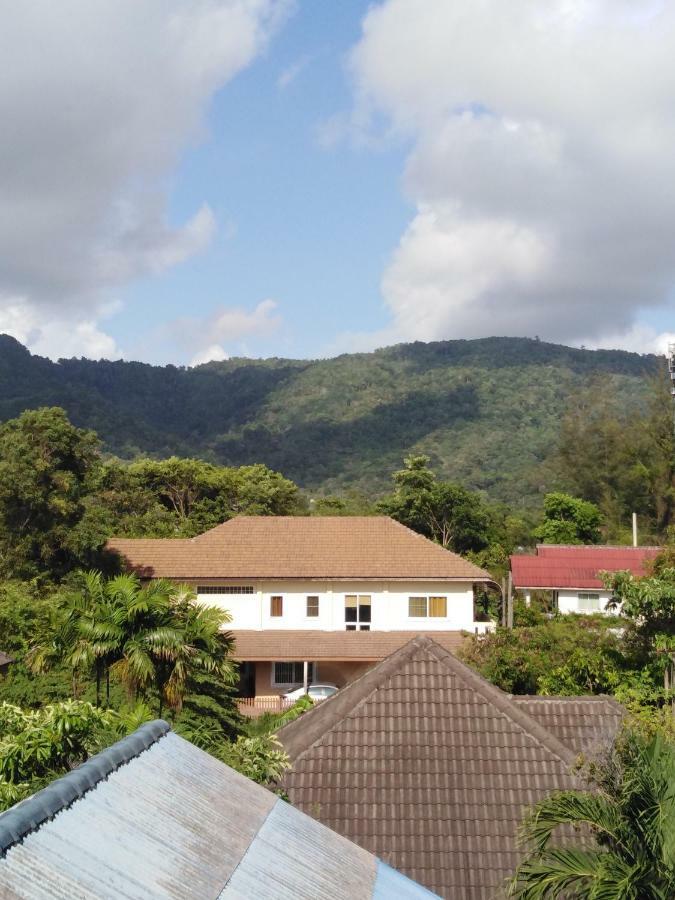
(572, 573)
(335, 593)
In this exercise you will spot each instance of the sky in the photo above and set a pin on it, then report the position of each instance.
(184, 181)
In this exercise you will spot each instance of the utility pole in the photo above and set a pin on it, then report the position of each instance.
(509, 602)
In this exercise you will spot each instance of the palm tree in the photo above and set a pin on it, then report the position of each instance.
(631, 818)
(155, 636)
(85, 637)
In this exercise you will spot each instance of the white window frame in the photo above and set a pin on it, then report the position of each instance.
(316, 597)
(313, 673)
(427, 598)
(586, 596)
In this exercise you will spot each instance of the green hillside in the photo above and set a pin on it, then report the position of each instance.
(486, 411)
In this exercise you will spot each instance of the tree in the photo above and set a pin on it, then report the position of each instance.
(46, 468)
(445, 512)
(151, 638)
(569, 520)
(648, 603)
(566, 655)
(621, 455)
(183, 497)
(631, 818)
(39, 745)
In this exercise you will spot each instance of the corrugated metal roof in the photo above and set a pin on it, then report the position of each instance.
(155, 817)
(558, 567)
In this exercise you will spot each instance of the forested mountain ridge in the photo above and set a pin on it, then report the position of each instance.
(486, 411)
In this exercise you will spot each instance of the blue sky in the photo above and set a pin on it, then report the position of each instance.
(307, 225)
(300, 178)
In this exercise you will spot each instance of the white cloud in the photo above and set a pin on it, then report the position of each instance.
(291, 73)
(206, 338)
(214, 353)
(541, 168)
(97, 102)
(55, 333)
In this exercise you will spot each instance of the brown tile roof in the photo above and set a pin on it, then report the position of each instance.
(426, 764)
(586, 724)
(335, 547)
(369, 646)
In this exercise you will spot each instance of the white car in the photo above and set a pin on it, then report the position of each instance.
(315, 692)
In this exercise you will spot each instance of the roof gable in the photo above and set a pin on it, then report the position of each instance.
(428, 765)
(337, 547)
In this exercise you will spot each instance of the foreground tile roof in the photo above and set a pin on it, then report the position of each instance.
(155, 817)
(429, 766)
(295, 646)
(561, 566)
(339, 547)
(585, 724)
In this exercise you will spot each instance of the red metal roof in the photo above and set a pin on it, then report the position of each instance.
(558, 567)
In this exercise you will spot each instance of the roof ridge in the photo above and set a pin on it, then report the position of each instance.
(504, 703)
(298, 737)
(29, 814)
(336, 708)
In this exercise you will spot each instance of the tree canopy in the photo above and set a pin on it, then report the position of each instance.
(569, 520)
(47, 468)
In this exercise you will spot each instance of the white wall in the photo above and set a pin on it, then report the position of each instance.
(389, 605)
(568, 601)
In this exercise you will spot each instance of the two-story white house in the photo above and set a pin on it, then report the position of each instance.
(317, 598)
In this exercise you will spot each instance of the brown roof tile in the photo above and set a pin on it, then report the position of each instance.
(337, 547)
(368, 646)
(427, 765)
(586, 724)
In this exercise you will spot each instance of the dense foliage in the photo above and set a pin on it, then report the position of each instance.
(46, 471)
(631, 817)
(568, 654)
(38, 745)
(621, 457)
(150, 638)
(486, 412)
(569, 520)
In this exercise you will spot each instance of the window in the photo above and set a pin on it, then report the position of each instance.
(589, 602)
(225, 589)
(357, 612)
(276, 606)
(438, 607)
(312, 607)
(417, 607)
(421, 607)
(285, 674)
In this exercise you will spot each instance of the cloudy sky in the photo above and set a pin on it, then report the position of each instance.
(183, 181)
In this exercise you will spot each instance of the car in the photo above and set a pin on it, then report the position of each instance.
(315, 692)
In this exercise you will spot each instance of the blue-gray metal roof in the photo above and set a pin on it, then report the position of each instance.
(155, 817)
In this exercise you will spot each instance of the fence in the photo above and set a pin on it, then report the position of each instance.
(256, 706)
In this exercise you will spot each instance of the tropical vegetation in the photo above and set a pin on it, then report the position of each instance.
(629, 820)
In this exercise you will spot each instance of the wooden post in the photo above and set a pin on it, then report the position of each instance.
(509, 603)
(503, 602)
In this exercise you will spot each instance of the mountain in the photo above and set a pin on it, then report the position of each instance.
(486, 411)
